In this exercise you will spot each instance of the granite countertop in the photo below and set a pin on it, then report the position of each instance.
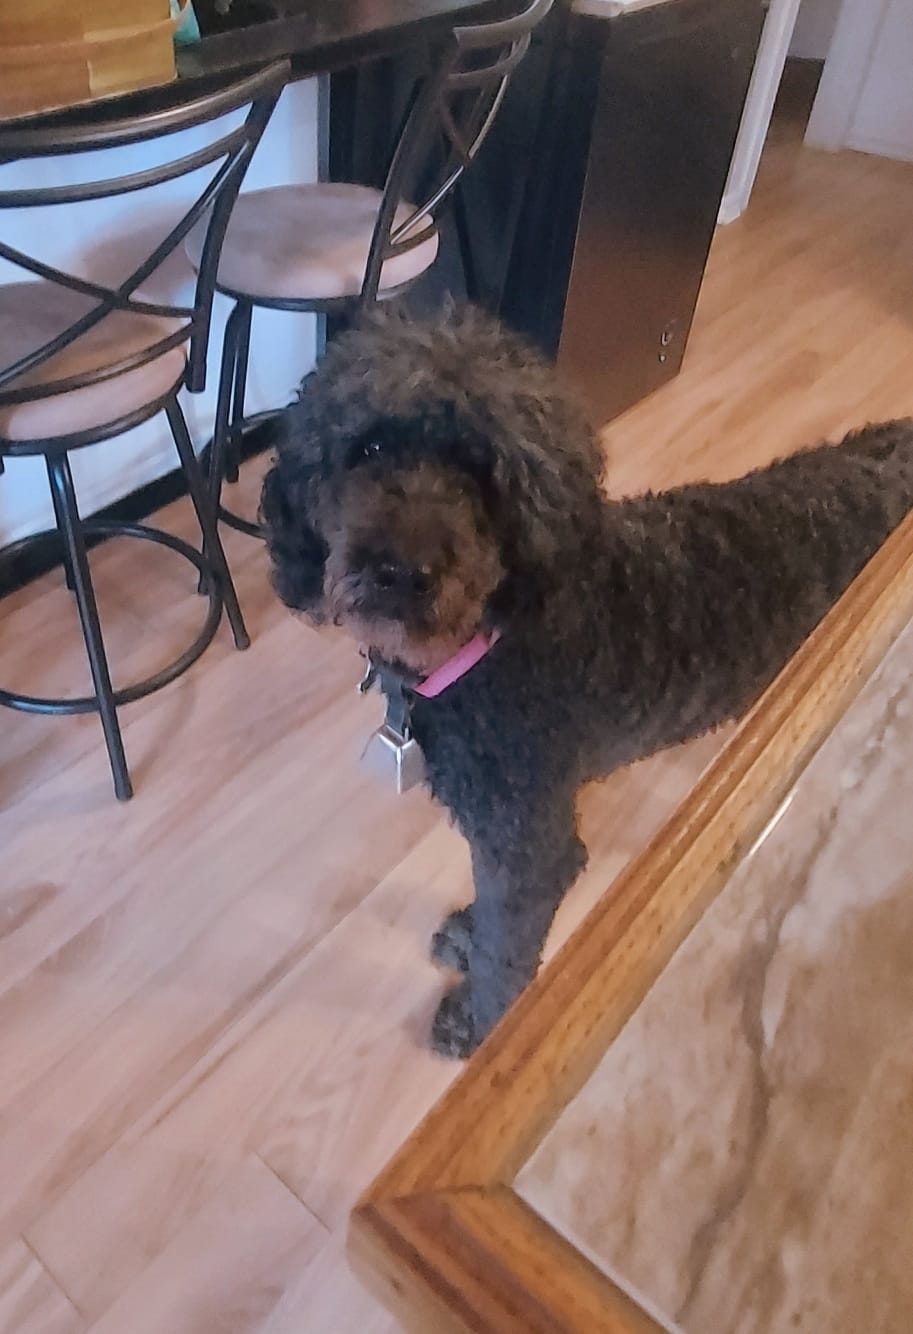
(742, 1158)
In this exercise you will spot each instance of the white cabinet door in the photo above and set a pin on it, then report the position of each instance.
(865, 99)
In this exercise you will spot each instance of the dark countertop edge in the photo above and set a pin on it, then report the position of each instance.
(294, 39)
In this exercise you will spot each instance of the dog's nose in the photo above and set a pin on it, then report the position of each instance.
(390, 577)
(387, 575)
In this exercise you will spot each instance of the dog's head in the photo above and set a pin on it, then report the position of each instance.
(429, 482)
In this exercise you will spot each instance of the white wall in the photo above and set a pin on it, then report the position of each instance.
(814, 29)
(865, 97)
(883, 122)
(104, 240)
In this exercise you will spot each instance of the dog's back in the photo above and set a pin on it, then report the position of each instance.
(714, 587)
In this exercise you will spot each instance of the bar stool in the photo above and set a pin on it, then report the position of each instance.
(334, 248)
(81, 362)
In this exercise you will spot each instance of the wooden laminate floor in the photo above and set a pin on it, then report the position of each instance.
(214, 1001)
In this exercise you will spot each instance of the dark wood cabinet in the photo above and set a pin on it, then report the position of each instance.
(671, 90)
(590, 211)
(629, 168)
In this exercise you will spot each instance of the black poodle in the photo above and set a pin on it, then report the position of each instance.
(435, 487)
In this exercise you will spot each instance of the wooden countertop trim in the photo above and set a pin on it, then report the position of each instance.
(482, 1259)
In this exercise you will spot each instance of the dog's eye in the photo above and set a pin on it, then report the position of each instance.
(365, 449)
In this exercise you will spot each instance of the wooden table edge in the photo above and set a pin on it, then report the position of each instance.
(440, 1235)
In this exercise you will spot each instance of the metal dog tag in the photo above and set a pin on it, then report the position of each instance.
(395, 759)
(392, 753)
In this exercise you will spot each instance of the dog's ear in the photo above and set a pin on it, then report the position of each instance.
(287, 512)
(546, 473)
(544, 464)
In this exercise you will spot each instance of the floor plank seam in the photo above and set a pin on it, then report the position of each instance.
(52, 1277)
(245, 1025)
(294, 1194)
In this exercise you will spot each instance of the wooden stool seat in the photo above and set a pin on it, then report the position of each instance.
(32, 314)
(309, 242)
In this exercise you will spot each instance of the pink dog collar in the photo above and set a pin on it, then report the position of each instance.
(457, 666)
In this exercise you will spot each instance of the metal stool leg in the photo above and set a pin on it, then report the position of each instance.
(218, 453)
(464, 240)
(207, 516)
(242, 355)
(61, 481)
(218, 449)
(320, 335)
(67, 564)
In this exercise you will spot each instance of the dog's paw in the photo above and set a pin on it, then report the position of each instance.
(452, 1029)
(451, 943)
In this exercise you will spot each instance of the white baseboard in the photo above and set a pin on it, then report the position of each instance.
(860, 143)
(759, 105)
(733, 206)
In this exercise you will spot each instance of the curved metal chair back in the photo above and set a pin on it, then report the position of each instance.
(229, 154)
(457, 102)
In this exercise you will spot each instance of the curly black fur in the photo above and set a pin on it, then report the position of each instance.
(627, 626)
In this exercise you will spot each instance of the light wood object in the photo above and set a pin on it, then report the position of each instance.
(447, 1242)
(59, 53)
(229, 977)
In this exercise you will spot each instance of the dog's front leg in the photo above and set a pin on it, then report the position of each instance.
(518, 889)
